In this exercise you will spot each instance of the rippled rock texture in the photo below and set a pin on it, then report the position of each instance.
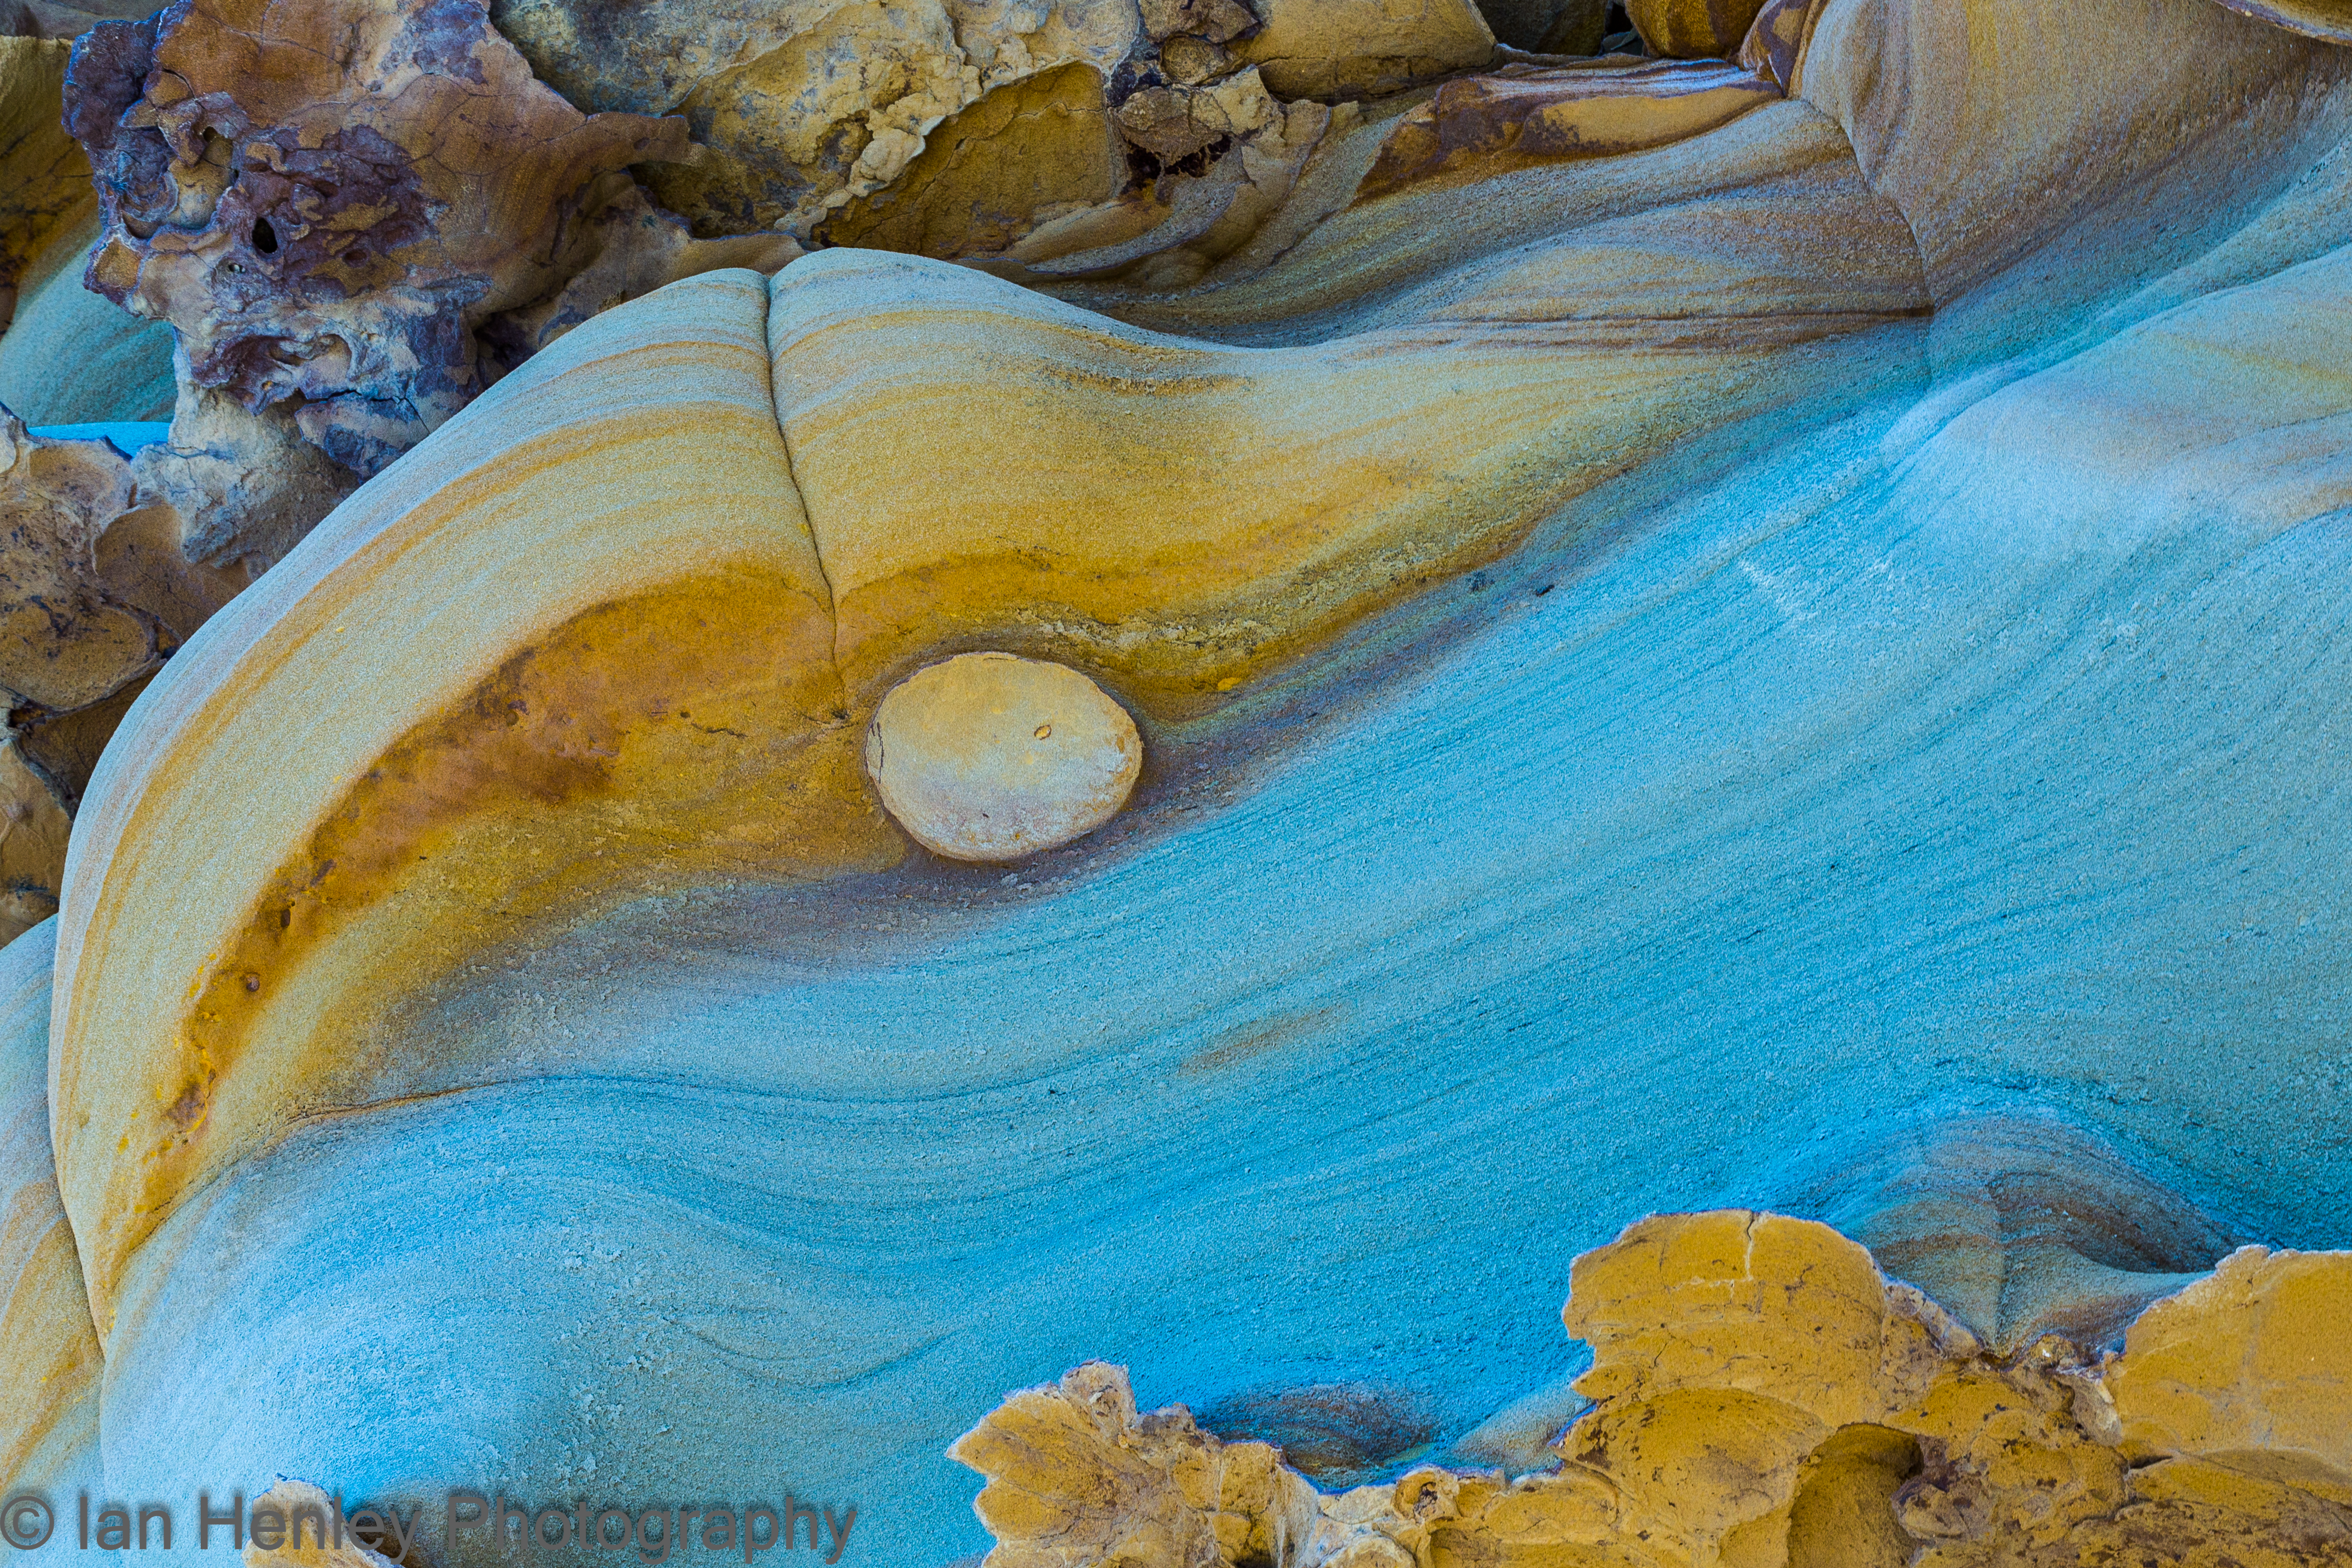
(1749, 633)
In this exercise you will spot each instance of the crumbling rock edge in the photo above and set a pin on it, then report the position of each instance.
(1763, 1393)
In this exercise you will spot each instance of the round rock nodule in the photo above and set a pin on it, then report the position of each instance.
(991, 757)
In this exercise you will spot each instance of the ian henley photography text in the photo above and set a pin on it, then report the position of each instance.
(314, 1520)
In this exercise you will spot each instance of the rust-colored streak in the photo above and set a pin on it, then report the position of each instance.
(642, 746)
(1522, 115)
(1257, 1038)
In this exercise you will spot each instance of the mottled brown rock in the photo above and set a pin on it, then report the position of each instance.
(65, 747)
(1523, 114)
(64, 639)
(804, 106)
(1693, 29)
(326, 199)
(811, 110)
(34, 826)
(1213, 21)
(1190, 61)
(1174, 123)
(96, 591)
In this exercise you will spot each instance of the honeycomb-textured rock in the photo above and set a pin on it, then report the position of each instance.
(1761, 1394)
(327, 200)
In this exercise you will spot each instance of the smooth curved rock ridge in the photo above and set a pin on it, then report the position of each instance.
(1761, 1394)
(49, 1378)
(2094, 170)
(1129, 535)
(652, 433)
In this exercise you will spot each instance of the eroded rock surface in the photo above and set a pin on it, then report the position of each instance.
(954, 129)
(1616, 682)
(66, 638)
(1763, 1395)
(96, 591)
(327, 200)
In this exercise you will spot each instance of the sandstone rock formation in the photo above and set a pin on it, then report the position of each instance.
(1526, 114)
(339, 274)
(95, 592)
(1761, 1394)
(1691, 623)
(66, 356)
(2023, 1227)
(816, 108)
(328, 201)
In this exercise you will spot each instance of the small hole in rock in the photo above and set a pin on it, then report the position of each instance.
(264, 238)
